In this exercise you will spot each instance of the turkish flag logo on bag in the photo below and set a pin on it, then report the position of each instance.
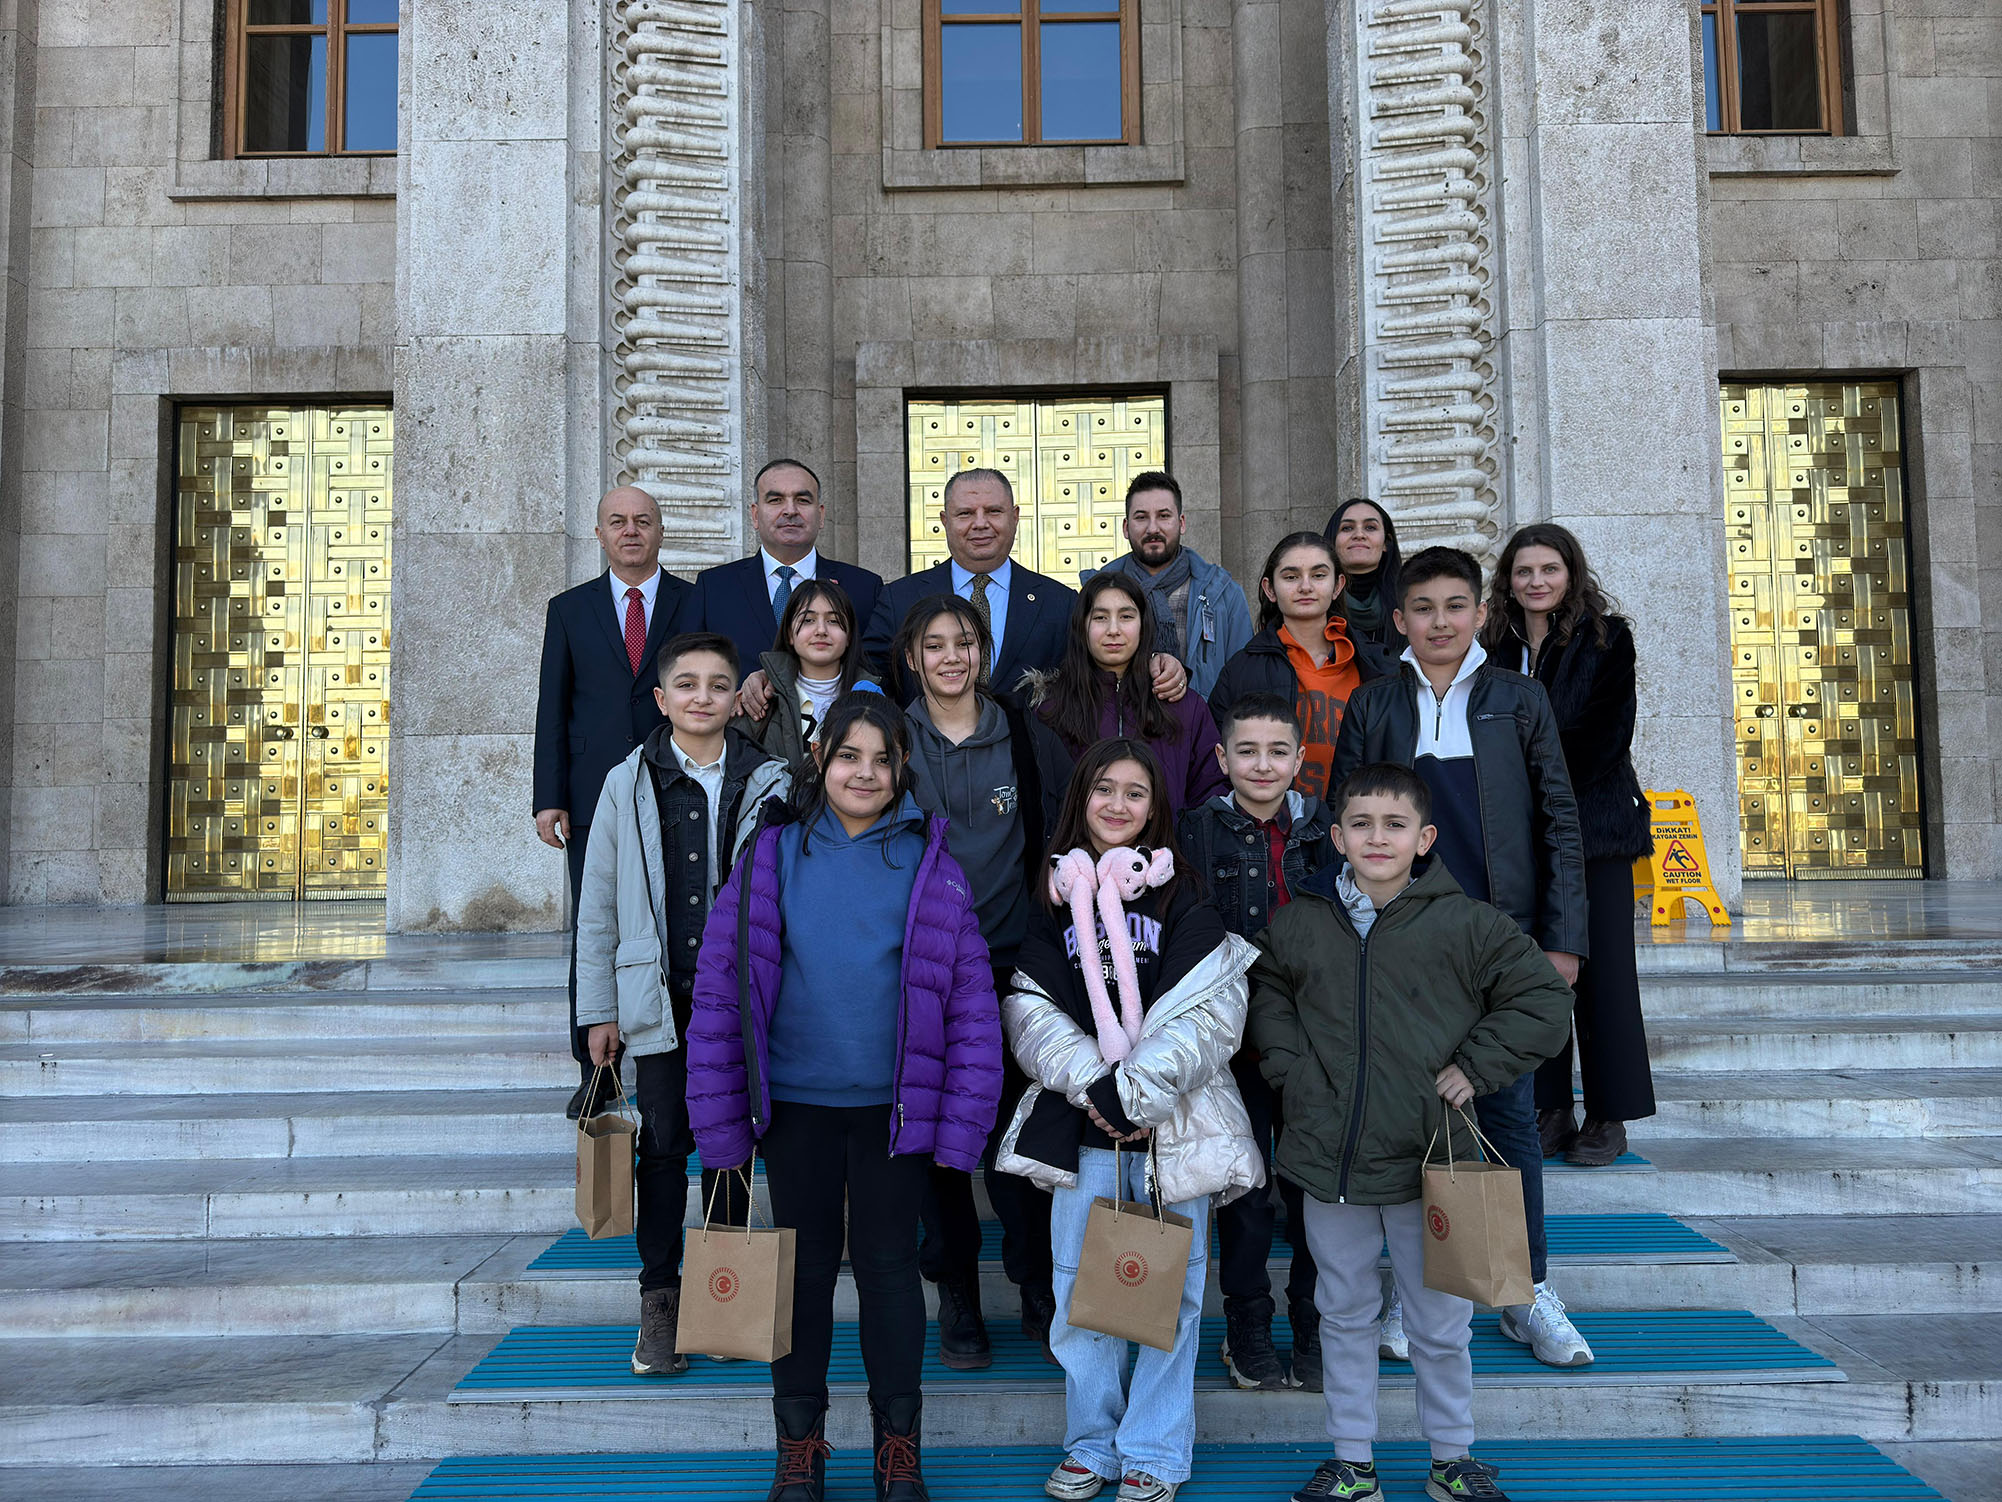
(1437, 1224)
(723, 1284)
(1130, 1268)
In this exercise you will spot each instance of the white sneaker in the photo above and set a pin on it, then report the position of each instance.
(1073, 1482)
(1138, 1486)
(1545, 1328)
(1390, 1342)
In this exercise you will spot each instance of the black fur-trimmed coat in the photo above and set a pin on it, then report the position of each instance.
(1593, 695)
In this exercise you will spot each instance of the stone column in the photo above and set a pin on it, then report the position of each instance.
(17, 118)
(485, 461)
(1612, 375)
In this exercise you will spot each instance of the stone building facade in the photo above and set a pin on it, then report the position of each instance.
(1481, 260)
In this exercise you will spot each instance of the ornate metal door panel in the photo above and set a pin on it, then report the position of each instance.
(281, 654)
(1828, 773)
(1069, 459)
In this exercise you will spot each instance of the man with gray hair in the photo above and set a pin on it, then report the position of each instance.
(596, 701)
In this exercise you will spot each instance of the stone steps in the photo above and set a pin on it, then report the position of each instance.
(542, 964)
(384, 1397)
(220, 1066)
(1841, 994)
(1933, 1041)
(1825, 1103)
(533, 1015)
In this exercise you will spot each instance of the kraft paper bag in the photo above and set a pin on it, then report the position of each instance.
(736, 1289)
(1476, 1238)
(606, 1145)
(1131, 1271)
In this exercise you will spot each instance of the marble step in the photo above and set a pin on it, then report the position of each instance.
(357, 1481)
(538, 961)
(330, 1399)
(536, 1015)
(218, 1066)
(1725, 952)
(1826, 1103)
(475, 1194)
(1933, 1041)
(360, 1123)
(1859, 993)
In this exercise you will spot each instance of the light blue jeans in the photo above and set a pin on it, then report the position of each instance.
(1113, 1424)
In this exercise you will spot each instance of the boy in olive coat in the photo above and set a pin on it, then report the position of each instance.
(1376, 994)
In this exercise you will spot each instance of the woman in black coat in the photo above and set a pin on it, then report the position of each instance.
(1365, 541)
(1548, 617)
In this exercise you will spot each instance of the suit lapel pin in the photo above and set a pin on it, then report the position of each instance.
(1030, 598)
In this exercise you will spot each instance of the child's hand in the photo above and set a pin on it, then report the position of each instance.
(1109, 1129)
(1454, 1088)
(603, 1041)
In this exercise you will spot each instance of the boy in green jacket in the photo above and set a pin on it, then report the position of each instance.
(1377, 992)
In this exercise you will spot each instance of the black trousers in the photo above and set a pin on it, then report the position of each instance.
(1244, 1226)
(573, 851)
(951, 1249)
(820, 1161)
(1612, 1040)
(660, 1177)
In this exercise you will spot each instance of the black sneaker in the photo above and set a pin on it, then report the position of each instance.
(1248, 1353)
(1306, 1322)
(1453, 1480)
(1039, 1312)
(962, 1333)
(654, 1353)
(1341, 1481)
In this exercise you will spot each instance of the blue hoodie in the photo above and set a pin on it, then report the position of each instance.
(843, 904)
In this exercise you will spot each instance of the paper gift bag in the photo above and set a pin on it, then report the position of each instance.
(605, 1148)
(1476, 1238)
(1131, 1271)
(736, 1289)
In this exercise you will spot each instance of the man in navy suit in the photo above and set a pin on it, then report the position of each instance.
(1028, 615)
(742, 600)
(596, 701)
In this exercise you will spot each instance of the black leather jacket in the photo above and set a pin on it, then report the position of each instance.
(1223, 845)
(1529, 817)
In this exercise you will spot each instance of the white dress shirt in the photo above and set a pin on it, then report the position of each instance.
(649, 588)
(804, 569)
(711, 780)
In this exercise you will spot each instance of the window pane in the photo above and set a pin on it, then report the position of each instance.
(369, 12)
(1060, 7)
(980, 7)
(287, 12)
(980, 82)
(1779, 81)
(285, 93)
(1081, 80)
(369, 123)
(1713, 107)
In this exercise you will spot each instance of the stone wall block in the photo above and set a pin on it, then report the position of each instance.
(470, 869)
(468, 187)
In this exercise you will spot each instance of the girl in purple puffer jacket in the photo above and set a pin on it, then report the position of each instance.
(845, 1023)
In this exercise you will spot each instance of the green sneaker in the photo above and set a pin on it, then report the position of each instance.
(1340, 1481)
(1452, 1480)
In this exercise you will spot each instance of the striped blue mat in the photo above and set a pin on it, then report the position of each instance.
(1625, 1163)
(1825, 1468)
(1643, 1238)
(547, 1363)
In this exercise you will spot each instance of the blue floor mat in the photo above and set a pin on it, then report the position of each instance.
(1641, 1238)
(544, 1363)
(1827, 1468)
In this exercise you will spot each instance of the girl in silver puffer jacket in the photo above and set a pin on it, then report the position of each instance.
(1127, 1004)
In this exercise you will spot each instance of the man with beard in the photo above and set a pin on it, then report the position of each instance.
(1200, 615)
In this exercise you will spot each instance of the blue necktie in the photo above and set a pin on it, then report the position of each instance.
(787, 573)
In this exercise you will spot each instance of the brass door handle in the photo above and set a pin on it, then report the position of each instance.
(1765, 711)
(319, 732)
(1800, 711)
(282, 732)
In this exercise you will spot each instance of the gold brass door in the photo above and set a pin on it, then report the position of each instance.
(1821, 631)
(277, 787)
(1069, 459)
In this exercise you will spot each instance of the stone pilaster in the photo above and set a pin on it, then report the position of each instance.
(17, 117)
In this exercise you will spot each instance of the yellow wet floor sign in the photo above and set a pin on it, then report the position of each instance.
(1678, 868)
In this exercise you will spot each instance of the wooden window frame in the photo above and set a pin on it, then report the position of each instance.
(1030, 18)
(1828, 55)
(336, 29)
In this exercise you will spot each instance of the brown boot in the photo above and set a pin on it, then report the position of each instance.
(654, 1354)
(1600, 1143)
(1556, 1128)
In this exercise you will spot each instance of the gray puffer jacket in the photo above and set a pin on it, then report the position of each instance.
(622, 911)
(1177, 1080)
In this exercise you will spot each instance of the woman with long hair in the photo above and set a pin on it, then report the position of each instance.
(1365, 542)
(816, 659)
(1094, 693)
(845, 1025)
(1548, 617)
(1128, 1003)
(1302, 652)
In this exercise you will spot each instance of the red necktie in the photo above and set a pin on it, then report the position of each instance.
(635, 628)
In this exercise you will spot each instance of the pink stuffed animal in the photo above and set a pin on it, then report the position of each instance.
(1118, 876)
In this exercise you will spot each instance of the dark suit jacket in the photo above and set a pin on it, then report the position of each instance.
(593, 709)
(734, 602)
(1039, 612)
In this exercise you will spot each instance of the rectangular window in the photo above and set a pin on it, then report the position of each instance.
(1772, 67)
(309, 77)
(1031, 72)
